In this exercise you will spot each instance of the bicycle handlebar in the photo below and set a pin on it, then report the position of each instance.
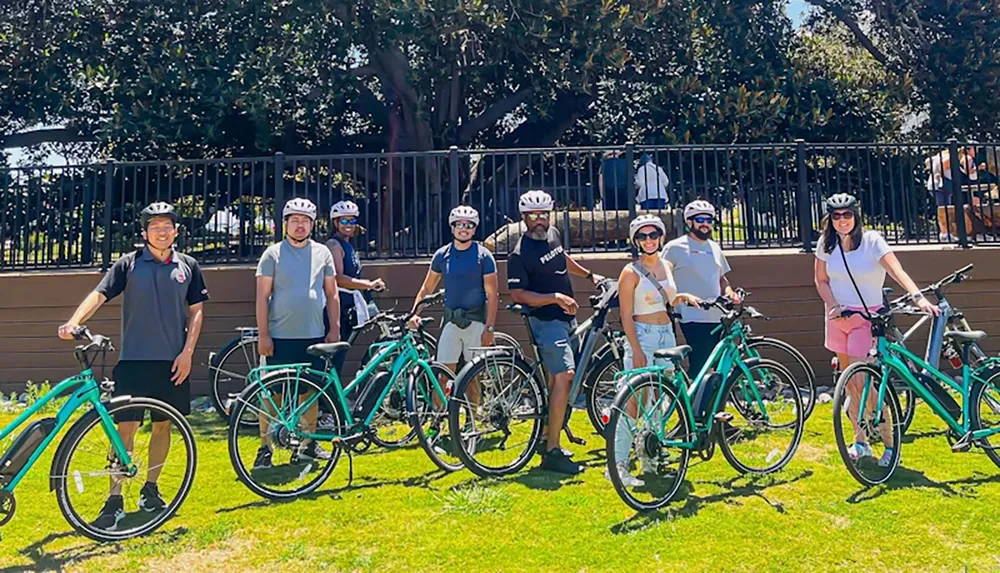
(954, 278)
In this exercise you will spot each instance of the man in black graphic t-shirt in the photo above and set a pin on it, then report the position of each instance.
(538, 276)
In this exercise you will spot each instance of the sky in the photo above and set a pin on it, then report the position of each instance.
(796, 11)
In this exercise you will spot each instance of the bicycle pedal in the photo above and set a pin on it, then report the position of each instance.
(723, 417)
(963, 444)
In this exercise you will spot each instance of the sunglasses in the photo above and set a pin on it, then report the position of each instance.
(536, 216)
(846, 215)
(703, 220)
(464, 225)
(650, 235)
(348, 220)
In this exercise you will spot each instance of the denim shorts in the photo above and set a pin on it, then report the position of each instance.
(652, 337)
(554, 344)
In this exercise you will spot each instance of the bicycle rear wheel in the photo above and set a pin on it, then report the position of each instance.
(639, 442)
(767, 418)
(984, 412)
(86, 465)
(789, 357)
(877, 426)
(497, 410)
(600, 388)
(287, 472)
(228, 371)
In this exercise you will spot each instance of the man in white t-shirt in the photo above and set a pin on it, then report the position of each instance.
(699, 268)
(651, 182)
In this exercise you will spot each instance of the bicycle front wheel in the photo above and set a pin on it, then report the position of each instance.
(797, 365)
(426, 403)
(870, 437)
(765, 418)
(88, 470)
(497, 411)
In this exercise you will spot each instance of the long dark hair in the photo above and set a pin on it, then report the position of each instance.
(830, 237)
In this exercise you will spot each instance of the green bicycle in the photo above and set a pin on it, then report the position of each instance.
(866, 396)
(279, 396)
(93, 455)
(756, 415)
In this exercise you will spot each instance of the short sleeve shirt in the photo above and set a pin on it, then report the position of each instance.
(463, 271)
(295, 309)
(865, 267)
(540, 266)
(698, 268)
(155, 304)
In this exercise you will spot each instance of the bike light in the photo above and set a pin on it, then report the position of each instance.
(605, 416)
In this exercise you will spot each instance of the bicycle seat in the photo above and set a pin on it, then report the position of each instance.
(965, 337)
(327, 349)
(675, 353)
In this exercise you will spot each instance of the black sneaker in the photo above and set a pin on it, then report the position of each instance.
(112, 512)
(263, 460)
(149, 498)
(543, 447)
(556, 461)
(313, 451)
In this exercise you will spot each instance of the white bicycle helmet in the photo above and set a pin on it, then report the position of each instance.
(463, 213)
(645, 221)
(344, 209)
(299, 206)
(841, 201)
(698, 207)
(535, 201)
(157, 209)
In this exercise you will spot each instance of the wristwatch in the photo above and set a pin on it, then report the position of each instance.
(489, 328)
(917, 296)
(590, 275)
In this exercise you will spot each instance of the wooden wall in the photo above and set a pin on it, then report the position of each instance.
(33, 305)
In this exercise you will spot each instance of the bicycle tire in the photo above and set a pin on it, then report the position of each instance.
(976, 395)
(72, 439)
(244, 404)
(633, 386)
(595, 389)
(416, 402)
(537, 400)
(810, 383)
(892, 402)
(216, 365)
(798, 423)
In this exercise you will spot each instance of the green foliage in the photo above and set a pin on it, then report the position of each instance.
(35, 392)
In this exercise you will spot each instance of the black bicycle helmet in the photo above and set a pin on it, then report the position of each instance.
(157, 209)
(841, 201)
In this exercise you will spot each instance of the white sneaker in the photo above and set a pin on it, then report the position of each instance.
(326, 422)
(627, 479)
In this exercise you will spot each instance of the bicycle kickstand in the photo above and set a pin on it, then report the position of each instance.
(573, 439)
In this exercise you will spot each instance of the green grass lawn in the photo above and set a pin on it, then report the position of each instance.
(940, 514)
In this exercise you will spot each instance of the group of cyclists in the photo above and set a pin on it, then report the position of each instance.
(308, 292)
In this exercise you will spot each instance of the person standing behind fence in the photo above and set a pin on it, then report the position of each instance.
(700, 268)
(940, 183)
(295, 282)
(613, 181)
(162, 316)
(343, 227)
(850, 269)
(652, 182)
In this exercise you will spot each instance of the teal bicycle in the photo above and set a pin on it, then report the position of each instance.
(867, 417)
(755, 413)
(93, 456)
(278, 397)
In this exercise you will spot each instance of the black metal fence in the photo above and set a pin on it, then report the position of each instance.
(768, 196)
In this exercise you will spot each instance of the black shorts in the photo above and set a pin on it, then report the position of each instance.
(293, 351)
(150, 379)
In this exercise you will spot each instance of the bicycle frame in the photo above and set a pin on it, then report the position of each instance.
(894, 356)
(409, 355)
(85, 390)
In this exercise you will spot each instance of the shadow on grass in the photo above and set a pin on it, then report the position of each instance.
(45, 561)
(755, 486)
(910, 437)
(905, 478)
(422, 481)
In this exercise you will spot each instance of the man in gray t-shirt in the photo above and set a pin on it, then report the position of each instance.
(295, 280)
(699, 268)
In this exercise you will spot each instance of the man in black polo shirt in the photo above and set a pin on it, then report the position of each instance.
(538, 276)
(161, 321)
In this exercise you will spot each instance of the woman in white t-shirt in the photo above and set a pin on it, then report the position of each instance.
(869, 258)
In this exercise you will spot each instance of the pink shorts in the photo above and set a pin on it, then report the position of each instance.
(851, 336)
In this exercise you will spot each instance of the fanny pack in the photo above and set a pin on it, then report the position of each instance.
(462, 318)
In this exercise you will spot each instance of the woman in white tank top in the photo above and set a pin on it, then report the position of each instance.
(645, 316)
